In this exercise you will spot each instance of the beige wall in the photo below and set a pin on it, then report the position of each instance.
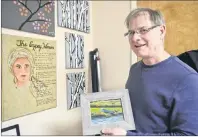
(107, 29)
(108, 36)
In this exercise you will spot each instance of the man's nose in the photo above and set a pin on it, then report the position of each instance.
(136, 37)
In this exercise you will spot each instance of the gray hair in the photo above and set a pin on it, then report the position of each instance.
(156, 16)
(19, 53)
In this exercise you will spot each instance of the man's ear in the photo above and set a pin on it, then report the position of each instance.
(163, 30)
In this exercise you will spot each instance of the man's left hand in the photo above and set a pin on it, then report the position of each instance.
(114, 132)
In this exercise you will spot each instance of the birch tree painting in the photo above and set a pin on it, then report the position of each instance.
(74, 49)
(35, 16)
(74, 14)
(75, 86)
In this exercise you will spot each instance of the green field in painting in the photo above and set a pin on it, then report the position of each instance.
(113, 106)
(113, 102)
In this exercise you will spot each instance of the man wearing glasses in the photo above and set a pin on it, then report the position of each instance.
(163, 90)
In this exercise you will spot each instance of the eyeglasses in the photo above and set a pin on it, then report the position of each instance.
(141, 31)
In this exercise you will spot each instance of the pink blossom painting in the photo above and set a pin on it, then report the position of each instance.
(34, 16)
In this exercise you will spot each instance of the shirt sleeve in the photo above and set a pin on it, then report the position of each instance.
(184, 110)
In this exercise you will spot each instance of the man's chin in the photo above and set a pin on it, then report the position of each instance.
(140, 55)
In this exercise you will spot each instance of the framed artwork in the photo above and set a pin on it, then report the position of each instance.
(35, 16)
(75, 87)
(106, 110)
(74, 49)
(28, 76)
(11, 131)
(74, 14)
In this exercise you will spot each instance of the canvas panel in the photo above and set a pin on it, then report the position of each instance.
(75, 87)
(29, 15)
(28, 76)
(74, 49)
(74, 15)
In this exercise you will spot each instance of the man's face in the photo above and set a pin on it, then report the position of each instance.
(145, 45)
(21, 70)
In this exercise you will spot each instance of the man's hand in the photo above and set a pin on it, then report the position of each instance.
(114, 132)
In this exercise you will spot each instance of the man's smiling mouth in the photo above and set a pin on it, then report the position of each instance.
(141, 45)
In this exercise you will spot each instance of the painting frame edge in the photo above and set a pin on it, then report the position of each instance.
(16, 126)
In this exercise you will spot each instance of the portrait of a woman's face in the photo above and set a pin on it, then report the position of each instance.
(28, 85)
(21, 70)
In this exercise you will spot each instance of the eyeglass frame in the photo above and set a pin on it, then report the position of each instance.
(138, 31)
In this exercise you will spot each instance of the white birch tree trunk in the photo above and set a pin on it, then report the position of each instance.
(82, 10)
(77, 90)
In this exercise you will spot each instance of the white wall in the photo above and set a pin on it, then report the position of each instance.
(107, 29)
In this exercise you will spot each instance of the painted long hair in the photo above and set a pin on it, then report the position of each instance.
(36, 86)
(20, 53)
